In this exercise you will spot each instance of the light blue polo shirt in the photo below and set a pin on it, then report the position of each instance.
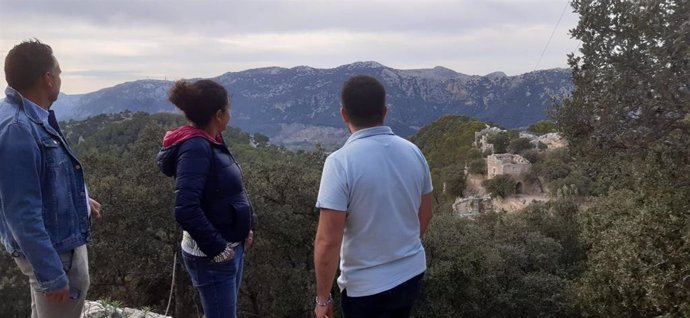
(378, 179)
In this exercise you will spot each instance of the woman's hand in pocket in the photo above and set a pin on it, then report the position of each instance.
(249, 241)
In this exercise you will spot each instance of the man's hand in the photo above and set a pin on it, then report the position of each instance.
(59, 295)
(329, 237)
(324, 311)
(95, 208)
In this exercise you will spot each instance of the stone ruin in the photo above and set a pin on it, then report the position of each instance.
(472, 206)
(510, 164)
(481, 138)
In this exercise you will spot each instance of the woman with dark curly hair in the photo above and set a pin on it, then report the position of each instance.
(211, 204)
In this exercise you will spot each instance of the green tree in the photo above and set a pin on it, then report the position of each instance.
(627, 126)
(533, 156)
(15, 299)
(135, 242)
(501, 140)
(543, 127)
(477, 166)
(501, 186)
(454, 179)
(520, 145)
(448, 140)
(559, 169)
(260, 139)
(503, 265)
(283, 193)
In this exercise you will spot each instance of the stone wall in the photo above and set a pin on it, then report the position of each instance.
(472, 206)
(481, 138)
(551, 140)
(509, 164)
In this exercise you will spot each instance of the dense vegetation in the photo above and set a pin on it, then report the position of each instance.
(447, 145)
(134, 245)
(614, 242)
(132, 254)
(628, 123)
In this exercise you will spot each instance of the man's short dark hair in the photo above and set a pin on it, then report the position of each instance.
(364, 100)
(27, 62)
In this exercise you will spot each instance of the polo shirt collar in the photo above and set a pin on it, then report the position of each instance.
(34, 112)
(40, 112)
(368, 132)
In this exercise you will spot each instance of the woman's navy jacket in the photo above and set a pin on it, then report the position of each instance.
(211, 203)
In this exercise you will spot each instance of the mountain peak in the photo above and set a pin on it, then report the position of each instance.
(365, 64)
(436, 73)
(140, 83)
(304, 70)
(271, 70)
(443, 69)
(495, 75)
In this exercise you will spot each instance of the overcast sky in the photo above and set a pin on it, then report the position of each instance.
(100, 43)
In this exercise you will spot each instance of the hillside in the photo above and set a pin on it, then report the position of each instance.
(118, 155)
(301, 101)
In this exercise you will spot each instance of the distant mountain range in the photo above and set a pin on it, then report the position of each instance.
(304, 101)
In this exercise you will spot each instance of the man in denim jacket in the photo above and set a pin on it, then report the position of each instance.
(44, 207)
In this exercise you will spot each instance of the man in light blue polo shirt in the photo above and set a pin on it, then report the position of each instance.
(375, 203)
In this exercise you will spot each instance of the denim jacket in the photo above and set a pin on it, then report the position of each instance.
(43, 207)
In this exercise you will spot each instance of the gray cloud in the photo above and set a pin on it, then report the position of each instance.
(113, 41)
(296, 16)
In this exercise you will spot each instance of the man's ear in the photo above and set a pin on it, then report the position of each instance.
(47, 79)
(344, 115)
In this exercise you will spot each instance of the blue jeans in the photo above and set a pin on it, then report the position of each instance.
(394, 303)
(218, 283)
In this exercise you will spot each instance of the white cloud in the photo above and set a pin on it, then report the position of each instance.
(102, 43)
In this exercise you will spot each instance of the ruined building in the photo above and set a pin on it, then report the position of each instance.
(481, 138)
(473, 206)
(514, 165)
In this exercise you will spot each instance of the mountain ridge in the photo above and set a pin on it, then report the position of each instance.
(266, 99)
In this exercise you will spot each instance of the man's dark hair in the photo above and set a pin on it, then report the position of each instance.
(364, 100)
(27, 62)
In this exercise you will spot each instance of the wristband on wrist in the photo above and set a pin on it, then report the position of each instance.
(326, 303)
(227, 254)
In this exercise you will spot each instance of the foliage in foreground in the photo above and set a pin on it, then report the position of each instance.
(503, 265)
(628, 124)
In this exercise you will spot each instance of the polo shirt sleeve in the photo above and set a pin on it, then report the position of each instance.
(333, 190)
(427, 186)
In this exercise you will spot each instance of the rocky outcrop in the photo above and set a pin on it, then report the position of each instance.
(101, 309)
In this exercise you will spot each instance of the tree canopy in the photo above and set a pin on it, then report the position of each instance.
(627, 124)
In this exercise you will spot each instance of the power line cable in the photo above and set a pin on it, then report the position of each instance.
(567, 3)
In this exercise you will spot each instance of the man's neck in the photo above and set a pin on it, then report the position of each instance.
(37, 98)
(353, 129)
